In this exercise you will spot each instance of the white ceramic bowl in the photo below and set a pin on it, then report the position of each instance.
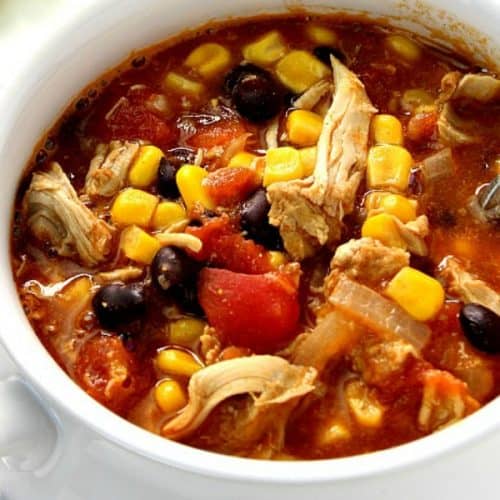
(56, 442)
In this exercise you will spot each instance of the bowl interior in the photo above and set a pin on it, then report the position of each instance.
(75, 55)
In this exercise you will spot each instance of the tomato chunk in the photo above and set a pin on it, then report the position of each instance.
(110, 374)
(224, 246)
(421, 127)
(219, 133)
(230, 185)
(260, 312)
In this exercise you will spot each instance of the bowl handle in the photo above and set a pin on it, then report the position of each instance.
(29, 432)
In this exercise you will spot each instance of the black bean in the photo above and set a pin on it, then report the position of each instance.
(254, 220)
(166, 184)
(138, 61)
(233, 76)
(118, 305)
(172, 267)
(481, 326)
(257, 97)
(323, 53)
(180, 155)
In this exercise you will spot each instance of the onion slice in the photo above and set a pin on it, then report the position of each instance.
(377, 313)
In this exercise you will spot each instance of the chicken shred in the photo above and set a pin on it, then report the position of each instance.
(109, 167)
(55, 214)
(309, 211)
(274, 380)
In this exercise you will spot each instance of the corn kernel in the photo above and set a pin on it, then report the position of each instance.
(299, 69)
(133, 206)
(383, 228)
(415, 98)
(189, 181)
(389, 166)
(138, 245)
(170, 396)
(145, 168)
(266, 50)
(209, 59)
(386, 129)
(185, 331)
(404, 47)
(242, 159)
(417, 293)
(399, 206)
(177, 362)
(366, 409)
(277, 259)
(304, 127)
(168, 213)
(321, 35)
(182, 85)
(308, 159)
(282, 164)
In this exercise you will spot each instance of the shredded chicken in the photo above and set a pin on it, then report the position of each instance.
(366, 260)
(309, 211)
(274, 380)
(181, 240)
(445, 400)
(54, 214)
(413, 233)
(313, 95)
(124, 274)
(467, 287)
(108, 169)
(271, 135)
(210, 345)
(481, 89)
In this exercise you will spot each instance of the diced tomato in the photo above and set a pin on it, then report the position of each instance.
(260, 312)
(110, 374)
(421, 127)
(230, 185)
(219, 133)
(133, 121)
(224, 246)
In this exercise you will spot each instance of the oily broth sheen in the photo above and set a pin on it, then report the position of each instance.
(453, 229)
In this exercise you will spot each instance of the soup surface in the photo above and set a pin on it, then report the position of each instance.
(275, 239)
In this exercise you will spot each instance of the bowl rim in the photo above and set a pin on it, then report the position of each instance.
(44, 374)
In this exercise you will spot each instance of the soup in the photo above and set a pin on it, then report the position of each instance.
(276, 238)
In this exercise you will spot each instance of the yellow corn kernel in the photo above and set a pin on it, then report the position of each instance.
(418, 294)
(366, 409)
(177, 362)
(386, 129)
(145, 168)
(242, 159)
(395, 204)
(399, 206)
(383, 228)
(282, 164)
(404, 47)
(133, 206)
(321, 35)
(388, 166)
(168, 213)
(277, 259)
(265, 50)
(189, 181)
(185, 331)
(299, 69)
(138, 245)
(209, 59)
(170, 396)
(182, 85)
(415, 98)
(308, 159)
(303, 127)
